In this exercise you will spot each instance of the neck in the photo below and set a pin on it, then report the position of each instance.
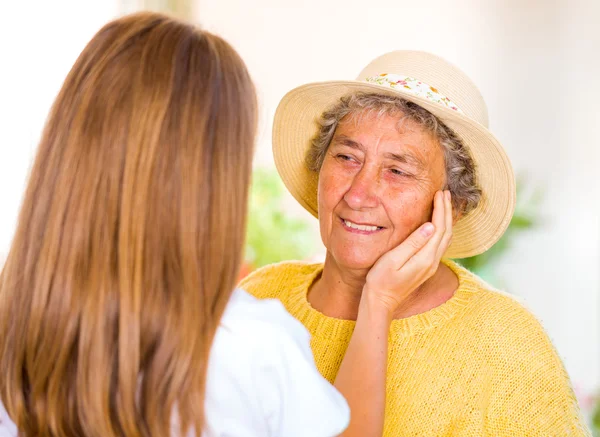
(338, 291)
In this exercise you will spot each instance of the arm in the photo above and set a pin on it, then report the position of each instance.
(362, 375)
(533, 394)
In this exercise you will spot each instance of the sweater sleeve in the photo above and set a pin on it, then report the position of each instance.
(533, 395)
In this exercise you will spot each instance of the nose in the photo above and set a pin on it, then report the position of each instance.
(363, 191)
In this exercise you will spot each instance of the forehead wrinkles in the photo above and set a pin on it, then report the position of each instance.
(404, 125)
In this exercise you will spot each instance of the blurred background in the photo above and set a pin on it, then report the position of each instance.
(536, 63)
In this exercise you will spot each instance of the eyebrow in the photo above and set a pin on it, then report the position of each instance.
(346, 141)
(404, 158)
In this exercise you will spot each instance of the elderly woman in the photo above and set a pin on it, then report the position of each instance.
(402, 160)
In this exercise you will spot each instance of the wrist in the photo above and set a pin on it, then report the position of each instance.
(376, 308)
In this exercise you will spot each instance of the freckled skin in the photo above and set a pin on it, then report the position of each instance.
(360, 181)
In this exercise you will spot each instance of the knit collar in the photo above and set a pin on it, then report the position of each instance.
(322, 326)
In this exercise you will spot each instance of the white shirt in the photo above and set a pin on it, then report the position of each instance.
(261, 380)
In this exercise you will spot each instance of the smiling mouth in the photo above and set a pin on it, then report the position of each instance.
(362, 228)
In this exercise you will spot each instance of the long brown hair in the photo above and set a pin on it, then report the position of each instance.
(130, 235)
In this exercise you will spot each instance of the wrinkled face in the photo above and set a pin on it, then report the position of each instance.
(376, 186)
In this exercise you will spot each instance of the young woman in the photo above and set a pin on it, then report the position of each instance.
(117, 310)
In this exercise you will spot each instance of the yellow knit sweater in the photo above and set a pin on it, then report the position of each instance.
(478, 365)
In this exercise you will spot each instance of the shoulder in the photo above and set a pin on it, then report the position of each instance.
(7, 427)
(258, 320)
(271, 280)
(517, 335)
(532, 393)
(505, 327)
(262, 376)
(257, 334)
(529, 375)
(497, 309)
(510, 319)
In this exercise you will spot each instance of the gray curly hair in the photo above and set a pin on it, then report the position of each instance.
(460, 168)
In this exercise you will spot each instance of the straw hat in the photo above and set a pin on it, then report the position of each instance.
(432, 83)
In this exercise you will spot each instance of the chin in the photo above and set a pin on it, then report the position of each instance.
(356, 261)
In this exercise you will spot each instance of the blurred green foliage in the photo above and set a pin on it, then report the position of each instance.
(273, 234)
(596, 419)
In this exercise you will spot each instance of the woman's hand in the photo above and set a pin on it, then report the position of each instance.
(398, 273)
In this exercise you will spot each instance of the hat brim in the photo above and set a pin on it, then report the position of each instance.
(296, 123)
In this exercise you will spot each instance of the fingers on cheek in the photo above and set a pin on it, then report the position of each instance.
(450, 211)
(424, 260)
(447, 237)
(425, 270)
(443, 228)
(439, 201)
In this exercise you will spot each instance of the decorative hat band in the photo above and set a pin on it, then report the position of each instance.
(414, 87)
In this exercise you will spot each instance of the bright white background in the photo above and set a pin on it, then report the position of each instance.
(536, 63)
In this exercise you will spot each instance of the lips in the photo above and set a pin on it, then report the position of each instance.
(366, 228)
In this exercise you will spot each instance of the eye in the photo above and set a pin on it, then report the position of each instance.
(398, 172)
(343, 157)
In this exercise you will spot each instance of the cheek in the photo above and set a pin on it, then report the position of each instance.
(329, 196)
(330, 190)
(409, 212)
